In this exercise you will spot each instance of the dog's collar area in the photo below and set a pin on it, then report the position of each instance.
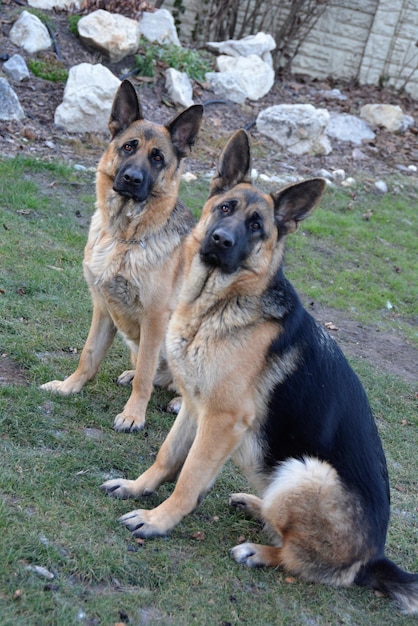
(130, 242)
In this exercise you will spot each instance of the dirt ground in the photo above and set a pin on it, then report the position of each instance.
(37, 136)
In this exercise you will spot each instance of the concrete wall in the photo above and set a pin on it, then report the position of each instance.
(374, 41)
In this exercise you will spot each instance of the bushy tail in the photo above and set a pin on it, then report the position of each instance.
(388, 578)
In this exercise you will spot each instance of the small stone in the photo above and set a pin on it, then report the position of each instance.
(381, 186)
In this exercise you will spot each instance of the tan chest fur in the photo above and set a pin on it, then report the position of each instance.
(128, 277)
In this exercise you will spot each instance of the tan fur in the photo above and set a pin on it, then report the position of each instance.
(133, 265)
(314, 522)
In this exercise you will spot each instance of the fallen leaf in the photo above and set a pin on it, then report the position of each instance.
(330, 326)
(199, 535)
(289, 579)
(17, 594)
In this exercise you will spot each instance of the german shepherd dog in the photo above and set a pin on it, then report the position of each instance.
(264, 383)
(133, 260)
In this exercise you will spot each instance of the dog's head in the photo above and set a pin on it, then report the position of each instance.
(242, 230)
(144, 157)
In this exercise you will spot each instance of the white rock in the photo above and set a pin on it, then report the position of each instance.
(116, 36)
(225, 85)
(332, 94)
(16, 68)
(10, 108)
(348, 182)
(381, 186)
(253, 75)
(412, 168)
(159, 27)
(88, 98)
(55, 4)
(387, 115)
(323, 173)
(407, 121)
(345, 127)
(179, 87)
(338, 175)
(189, 177)
(29, 33)
(298, 128)
(260, 44)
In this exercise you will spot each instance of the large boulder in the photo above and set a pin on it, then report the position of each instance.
(159, 27)
(10, 108)
(29, 33)
(179, 87)
(345, 127)
(252, 74)
(88, 98)
(260, 44)
(49, 5)
(116, 36)
(298, 128)
(387, 115)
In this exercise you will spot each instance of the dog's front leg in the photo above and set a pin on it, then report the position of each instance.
(167, 465)
(153, 330)
(101, 334)
(216, 438)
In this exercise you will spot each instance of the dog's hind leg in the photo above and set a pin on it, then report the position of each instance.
(254, 555)
(101, 334)
(249, 504)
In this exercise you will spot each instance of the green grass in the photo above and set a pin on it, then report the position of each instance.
(55, 452)
(192, 62)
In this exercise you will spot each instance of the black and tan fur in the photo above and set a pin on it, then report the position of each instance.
(133, 260)
(263, 383)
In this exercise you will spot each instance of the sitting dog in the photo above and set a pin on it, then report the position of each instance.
(262, 382)
(133, 260)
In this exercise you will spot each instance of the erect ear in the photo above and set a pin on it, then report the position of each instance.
(234, 165)
(295, 203)
(184, 128)
(125, 109)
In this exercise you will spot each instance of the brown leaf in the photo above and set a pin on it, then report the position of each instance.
(199, 535)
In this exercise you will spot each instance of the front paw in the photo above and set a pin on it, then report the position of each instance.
(59, 387)
(122, 489)
(140, 522)
(128, 423)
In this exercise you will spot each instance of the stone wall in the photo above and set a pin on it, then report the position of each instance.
(374, 41)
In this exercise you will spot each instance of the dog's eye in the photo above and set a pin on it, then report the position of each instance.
(225, 208)
(255, 223)
(128, 148)
(157, 157)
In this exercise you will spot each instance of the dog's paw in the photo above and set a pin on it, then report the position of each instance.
(126, 378)
(142, 524)
(128, 423)
(118, 488)
(239, 501)
(174, 405)
(246, 554)
(60, 387)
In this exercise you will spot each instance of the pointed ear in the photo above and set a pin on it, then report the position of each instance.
(125, 109)
(234, 165)
(295, 203)
(184, 128)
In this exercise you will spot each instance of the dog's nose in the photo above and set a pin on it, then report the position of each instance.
(133, 176)
(222, 238)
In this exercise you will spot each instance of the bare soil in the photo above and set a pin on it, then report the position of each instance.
(389, 153)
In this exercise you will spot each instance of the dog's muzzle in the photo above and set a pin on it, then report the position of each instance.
(224, 247)
(133, 182)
